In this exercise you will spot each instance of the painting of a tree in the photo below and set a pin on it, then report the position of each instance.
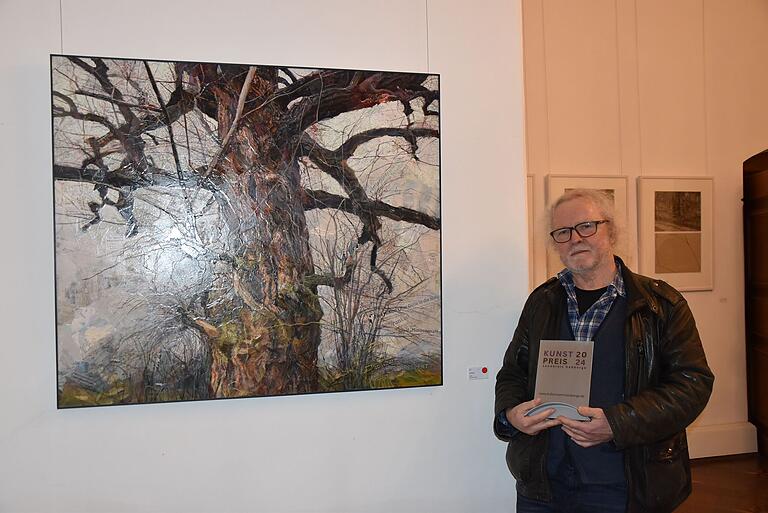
(227, 230)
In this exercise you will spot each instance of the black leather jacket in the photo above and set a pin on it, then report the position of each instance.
(667, 385)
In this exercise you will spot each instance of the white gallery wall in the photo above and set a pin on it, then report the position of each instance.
(427, 449)
(643, 88)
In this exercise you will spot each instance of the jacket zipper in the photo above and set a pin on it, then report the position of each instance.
(640, 363)
(636, 367)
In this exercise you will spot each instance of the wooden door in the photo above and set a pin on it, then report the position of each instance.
(756, 291)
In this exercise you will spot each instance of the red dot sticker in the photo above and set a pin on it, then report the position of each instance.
(485, 370)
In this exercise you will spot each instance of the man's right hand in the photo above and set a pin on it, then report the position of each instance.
(533, 424)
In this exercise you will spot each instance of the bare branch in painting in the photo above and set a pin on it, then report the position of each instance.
(100, 72)
(137, 106)
(129, 132)
(322, 199)
(364, 90)
(117, 179)
(168, 124)
(238, 114)
(370, 332)
(409, 134)
(331, 280)
(334, 163)
(59, 112)
(291, 76)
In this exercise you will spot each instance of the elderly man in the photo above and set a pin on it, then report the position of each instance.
(650, 378)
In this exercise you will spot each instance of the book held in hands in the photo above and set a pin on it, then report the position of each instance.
(563, 377)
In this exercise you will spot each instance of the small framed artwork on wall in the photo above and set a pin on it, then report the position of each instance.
(676, 230)
(615, 187)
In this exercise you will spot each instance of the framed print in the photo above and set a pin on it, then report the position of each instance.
(614, 186)
(676, 230)
(239, 230)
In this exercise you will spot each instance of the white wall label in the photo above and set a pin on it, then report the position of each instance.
(478, 373)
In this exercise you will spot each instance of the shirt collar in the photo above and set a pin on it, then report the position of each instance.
(615, 287)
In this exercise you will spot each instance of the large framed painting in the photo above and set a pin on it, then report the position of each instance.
(676, 230)
(615, 187)
(232, 230)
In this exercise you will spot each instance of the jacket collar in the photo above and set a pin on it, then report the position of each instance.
(638, 290)
(639, 294)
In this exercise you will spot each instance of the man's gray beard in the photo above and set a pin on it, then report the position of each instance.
(586, 270)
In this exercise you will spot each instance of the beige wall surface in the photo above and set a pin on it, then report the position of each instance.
(655, 88)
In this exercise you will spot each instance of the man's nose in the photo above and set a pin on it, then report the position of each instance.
(575, 237)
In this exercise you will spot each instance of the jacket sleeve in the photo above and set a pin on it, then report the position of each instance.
(679, 391)
(512, 378)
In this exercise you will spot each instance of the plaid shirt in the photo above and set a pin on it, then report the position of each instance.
(585, 327)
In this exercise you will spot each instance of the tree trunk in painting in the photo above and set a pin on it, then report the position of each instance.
(267, 343)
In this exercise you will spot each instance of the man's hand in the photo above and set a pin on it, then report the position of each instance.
(588, 434)
(533, 424)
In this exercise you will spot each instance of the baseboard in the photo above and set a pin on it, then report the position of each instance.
(721, 439)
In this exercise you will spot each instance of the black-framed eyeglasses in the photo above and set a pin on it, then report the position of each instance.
(585, 229)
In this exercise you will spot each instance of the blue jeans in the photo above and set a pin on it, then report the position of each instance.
(570, 495)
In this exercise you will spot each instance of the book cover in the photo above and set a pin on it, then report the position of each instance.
(564, 375)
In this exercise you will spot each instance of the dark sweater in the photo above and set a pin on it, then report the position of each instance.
(602, 463)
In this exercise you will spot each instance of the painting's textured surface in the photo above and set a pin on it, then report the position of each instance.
(231, 230)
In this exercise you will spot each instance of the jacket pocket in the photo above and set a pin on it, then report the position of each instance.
(665, 479)
(519, 455)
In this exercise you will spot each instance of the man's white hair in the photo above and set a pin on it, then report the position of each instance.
(599, 199)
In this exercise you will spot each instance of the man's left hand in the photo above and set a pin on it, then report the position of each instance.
(588, 434)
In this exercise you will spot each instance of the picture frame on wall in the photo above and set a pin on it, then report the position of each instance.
(675, 230)
(614, 186)
(229, 230)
